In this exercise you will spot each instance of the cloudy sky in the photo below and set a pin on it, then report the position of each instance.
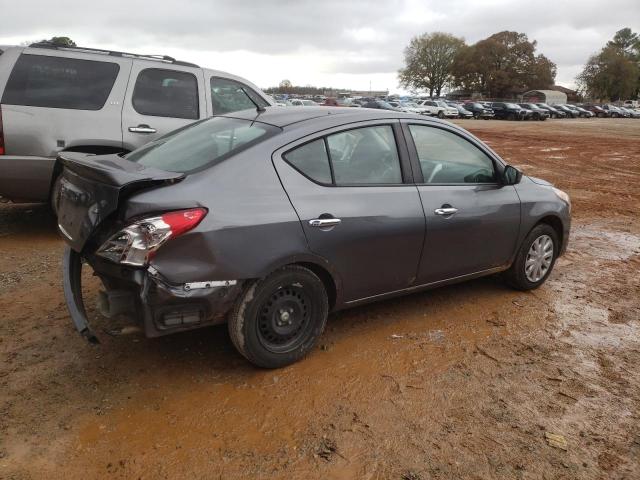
(340, 43)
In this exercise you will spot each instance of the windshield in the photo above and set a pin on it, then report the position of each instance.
(201, 144)
(409, 104)
(543, 105)
(512, 105)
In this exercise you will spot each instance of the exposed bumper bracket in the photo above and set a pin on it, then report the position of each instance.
(72, 286)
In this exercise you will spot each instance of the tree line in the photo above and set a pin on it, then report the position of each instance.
(614, 72)
(499, 66)
(506, 64)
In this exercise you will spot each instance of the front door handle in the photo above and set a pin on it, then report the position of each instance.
(142, 129)
(324, 222)
(445, 211)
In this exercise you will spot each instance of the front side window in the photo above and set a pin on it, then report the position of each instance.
(57, 82)
(201, 144)
(231, 96)
(447, 158)
(365, 155)
(166, 93)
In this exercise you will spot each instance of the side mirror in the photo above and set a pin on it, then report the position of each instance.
(511, 175)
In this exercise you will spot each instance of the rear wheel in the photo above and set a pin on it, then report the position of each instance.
(535, 259)
(279, 319)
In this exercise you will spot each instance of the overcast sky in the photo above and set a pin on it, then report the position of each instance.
(340, 43)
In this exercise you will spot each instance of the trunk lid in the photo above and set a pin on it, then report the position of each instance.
(92, 187)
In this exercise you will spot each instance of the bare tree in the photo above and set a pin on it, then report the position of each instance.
(428, 60)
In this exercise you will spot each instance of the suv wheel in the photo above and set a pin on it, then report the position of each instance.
(279, 318)
(511, 116)
(535, 259)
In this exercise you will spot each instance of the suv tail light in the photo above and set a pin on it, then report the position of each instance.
(1, 134)
(136, 243)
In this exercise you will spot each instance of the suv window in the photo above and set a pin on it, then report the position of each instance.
(231, 96)
(448, 158)
(311, 160)
(366, 155)
(166, 93)
(57, 82)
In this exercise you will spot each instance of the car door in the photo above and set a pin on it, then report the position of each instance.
(472, 219)
(352, 190)
(160, 98)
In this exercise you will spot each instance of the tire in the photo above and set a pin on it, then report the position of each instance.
(254, 323)
(440, 114)
(511, 116)
(517, 276)
(476, 116)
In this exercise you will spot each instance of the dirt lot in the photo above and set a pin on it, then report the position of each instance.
(471, 381)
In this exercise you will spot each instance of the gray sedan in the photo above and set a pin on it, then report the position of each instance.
(270, 219)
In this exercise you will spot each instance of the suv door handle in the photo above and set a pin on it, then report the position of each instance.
(142, 129)
(445, 211)
(324, 222)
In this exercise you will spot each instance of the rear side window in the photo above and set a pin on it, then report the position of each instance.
(446, 158)
(311, 160)
(202, 144)
(166, 93)
(365, 155)
(360, 156)
(231, 96)
(56, 82)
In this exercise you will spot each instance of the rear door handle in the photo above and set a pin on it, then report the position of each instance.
(445, 211)
(324, 222)
(142, 129)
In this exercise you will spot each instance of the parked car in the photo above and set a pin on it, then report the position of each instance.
(614, 112)
(630, 112)
(537, 113)
(479, 110)
(380, 105)
(271, 219)
(55, 99)
(553, 112)
(508, 111)
(412, 107)
(567, 111)
(301, 102)
(584, 113)
(462, 112)
(433, 108)
(597, 110)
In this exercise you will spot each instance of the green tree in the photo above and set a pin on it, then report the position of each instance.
(428, 62)
(628, 42)
(610, 74)
(503, 65)
(61, 41)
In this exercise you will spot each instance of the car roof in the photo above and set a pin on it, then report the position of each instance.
(284, 117)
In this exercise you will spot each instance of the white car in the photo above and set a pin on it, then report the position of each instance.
(300, 102)
(438, 108)
(413, 107)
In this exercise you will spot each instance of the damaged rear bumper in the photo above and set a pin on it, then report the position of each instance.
(145, 295)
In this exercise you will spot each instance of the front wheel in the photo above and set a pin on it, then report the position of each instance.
(440, 114)
(279, 318)
(535, 259)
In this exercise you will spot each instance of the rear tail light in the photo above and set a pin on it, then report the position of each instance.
(136, 243)
(1, 134)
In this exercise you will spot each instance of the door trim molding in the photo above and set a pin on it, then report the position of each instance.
(426, 286)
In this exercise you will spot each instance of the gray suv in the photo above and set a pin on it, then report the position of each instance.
(55, 99)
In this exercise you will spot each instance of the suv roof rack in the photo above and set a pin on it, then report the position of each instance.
(158, 58)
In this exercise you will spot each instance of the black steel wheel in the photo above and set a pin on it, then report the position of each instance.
(279, 318)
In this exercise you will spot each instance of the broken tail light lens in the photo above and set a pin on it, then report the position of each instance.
(136, 243)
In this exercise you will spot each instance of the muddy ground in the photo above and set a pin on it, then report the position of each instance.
(473, 381)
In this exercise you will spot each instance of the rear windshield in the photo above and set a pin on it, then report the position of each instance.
(202, 144)
(57, 82)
